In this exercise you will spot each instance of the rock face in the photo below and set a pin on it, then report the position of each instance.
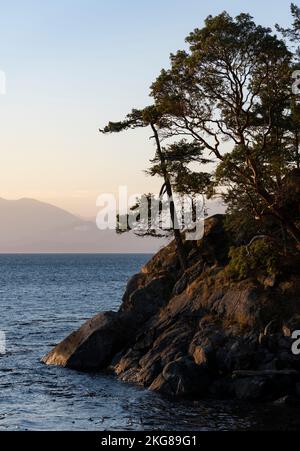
(92, 347)
(195, 334)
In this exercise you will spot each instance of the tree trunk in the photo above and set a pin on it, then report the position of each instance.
(177, 234)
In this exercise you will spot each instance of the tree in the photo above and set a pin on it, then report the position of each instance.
(293, 37)
(231, 93)
(293, 34)
(186, 181)
(150, 117)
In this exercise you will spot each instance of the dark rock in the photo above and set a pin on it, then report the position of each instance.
(131, 375)
(235, 354)
(242, 356)
(149, 373)
(272, 365)
(273, 343)
(250, 388)
(162, 386)
(182, 378)
(263, 358)
(285, 343)
(287, 360)
(263, 340)
(287, 401)
(145, 302)
(137, 281)
(181, 285)
(145, 341)
(294, 323)
(241, 305)
(196, 333)
(93, 346)
(116, 359)
(271, 328)
(254, 385)
(129, 361)
(188, 277)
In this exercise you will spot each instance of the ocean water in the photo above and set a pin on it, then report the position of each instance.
(43, 298)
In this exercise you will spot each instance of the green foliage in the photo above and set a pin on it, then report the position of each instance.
(227, 100)
(140, 219)
(261, 258)
(292, 33)
(178, 158)
(231, 93)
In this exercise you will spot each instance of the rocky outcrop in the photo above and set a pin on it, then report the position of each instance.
(196, 334)
(94, 345)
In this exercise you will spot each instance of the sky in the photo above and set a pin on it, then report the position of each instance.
(73, 65)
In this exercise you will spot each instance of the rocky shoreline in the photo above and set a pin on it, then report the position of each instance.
(197, 334)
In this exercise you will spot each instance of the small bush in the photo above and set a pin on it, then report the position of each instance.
(259, 259)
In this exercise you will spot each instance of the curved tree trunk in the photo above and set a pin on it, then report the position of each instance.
(169, 190)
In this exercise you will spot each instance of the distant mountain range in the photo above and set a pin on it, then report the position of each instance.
(30, 226)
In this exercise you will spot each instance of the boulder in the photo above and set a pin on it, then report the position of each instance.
(93, 346)
(96, 343)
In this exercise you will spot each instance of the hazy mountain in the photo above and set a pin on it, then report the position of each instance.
(27, 225)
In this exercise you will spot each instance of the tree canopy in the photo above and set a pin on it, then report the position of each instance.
(227, 100)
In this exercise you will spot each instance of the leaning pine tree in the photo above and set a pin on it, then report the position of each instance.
(171, 163)
(149, 117)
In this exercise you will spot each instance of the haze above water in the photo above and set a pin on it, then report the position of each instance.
(30, 226)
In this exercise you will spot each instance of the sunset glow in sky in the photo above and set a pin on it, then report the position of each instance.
(72, 65)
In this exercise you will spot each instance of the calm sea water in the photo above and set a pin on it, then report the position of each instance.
(43, 298)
